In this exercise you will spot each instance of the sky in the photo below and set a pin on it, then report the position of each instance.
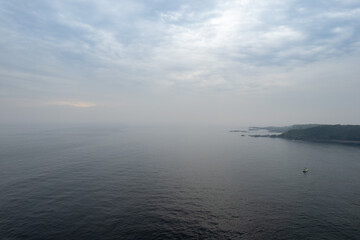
(264, 62)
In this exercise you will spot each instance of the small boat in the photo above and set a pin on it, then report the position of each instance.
(305, 170)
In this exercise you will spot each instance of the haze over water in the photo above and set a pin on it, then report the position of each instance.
(112, 182)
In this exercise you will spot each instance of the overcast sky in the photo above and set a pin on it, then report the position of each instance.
(264, 62)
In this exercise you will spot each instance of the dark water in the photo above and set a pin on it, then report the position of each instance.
(174, 183)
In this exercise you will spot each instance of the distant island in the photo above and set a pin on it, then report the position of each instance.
(315, 132)
(238, 131)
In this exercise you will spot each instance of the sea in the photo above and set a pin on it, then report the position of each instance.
(170, 182)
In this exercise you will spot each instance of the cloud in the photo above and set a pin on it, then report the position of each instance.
(73, 104)
(137, 42)
(132, 51)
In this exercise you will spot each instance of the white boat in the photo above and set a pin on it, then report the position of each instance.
(305, 170)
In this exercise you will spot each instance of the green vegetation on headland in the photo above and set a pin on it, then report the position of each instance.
(320, 133)
(332, 133)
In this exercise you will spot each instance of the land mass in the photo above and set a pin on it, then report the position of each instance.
(319, 133)
(284, 129)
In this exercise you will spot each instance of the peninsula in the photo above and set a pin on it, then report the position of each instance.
(317, 133)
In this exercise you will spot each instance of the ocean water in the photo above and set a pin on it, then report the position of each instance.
(117, 182)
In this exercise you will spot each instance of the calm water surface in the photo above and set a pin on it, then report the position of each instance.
(174, 183)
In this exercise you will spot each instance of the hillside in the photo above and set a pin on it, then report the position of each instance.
(284, 129)
(328, 133)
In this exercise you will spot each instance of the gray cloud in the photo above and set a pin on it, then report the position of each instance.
(106, 52)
